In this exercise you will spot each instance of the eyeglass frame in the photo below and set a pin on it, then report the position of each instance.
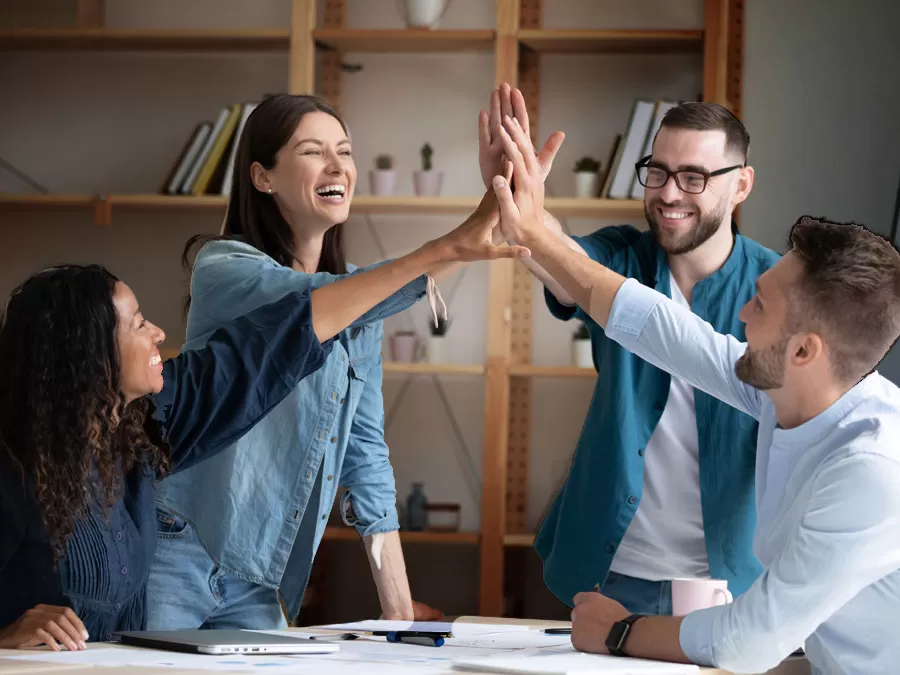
(645, 163)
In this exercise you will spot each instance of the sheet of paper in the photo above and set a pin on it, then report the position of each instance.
(457, 628)
(567, 661)
(507, 641)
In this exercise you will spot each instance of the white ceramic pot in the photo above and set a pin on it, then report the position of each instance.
(423, 13)
(587, 184)
(382, 182)
(403, 347)
(428, 183)
(582, 356)
(436, 349)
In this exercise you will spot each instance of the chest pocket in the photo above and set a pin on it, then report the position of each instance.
(364, 351)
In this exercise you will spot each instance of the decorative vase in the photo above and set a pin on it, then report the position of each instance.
(416, 516)
(403, 347)
(382, 182)
(428, 183)
(436, 349)
(587, 184)
(582, 355)
(423, 13)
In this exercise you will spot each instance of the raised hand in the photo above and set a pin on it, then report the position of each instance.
(475, 238)
(522, 211)
(45, 624)
(508, 102)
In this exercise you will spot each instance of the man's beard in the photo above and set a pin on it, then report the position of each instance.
(763, 369)
(685, 242)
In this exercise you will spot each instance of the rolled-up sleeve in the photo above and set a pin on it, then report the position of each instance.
(371, 496)
(674, 339)
(844, 543)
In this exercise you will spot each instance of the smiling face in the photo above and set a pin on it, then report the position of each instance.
(765, 362)
(683, 221)
(138, 341)
(314, 176)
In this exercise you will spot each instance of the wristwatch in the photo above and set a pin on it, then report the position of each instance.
(615, 641)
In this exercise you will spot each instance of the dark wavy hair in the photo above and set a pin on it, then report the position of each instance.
(253, 216)
(64, 424)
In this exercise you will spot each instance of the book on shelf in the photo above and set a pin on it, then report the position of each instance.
(206, 161)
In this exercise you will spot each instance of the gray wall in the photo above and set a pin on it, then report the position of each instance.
(822, 105)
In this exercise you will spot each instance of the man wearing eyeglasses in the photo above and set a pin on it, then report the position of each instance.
(662, 481)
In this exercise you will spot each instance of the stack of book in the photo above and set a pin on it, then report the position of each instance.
(206, 162)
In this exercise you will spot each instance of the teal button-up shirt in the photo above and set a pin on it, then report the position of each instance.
(583, 528)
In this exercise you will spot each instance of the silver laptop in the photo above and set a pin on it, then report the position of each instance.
(224, 642)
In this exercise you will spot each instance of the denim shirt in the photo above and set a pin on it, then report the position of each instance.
(210, 398)
(828, 499)
(268, 496)
(607, 474)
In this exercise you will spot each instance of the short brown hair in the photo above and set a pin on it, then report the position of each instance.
(849, 292)
(710, 117)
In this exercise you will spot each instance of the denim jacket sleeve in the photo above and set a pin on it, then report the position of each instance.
(371, 497)
(216, 393)
(231, 278)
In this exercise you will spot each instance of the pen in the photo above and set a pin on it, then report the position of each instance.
(334, 638)
(557, 631)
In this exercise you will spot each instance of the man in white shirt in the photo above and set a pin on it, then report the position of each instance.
(828, 464)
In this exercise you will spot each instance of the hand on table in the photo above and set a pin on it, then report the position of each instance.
(45, 624)
(592, 619)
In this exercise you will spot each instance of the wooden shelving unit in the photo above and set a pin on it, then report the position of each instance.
(350, 534)
(518, 43)
(361, 40)
(120, 39)
(612, 41)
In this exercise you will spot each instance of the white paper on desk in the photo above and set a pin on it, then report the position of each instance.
(567, 661)
(458, 629)
(532, 639)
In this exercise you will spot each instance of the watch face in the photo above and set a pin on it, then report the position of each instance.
(616, 637)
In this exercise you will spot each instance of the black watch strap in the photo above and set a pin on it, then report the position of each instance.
(618, 634)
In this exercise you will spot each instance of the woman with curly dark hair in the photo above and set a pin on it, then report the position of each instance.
(91, 418)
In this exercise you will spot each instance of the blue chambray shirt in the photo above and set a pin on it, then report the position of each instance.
(828, 498)
(588, 518)
(260, 507)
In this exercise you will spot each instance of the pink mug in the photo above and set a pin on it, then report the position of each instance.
(689, 595)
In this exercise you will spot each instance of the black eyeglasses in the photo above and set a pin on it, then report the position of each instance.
(693, 182)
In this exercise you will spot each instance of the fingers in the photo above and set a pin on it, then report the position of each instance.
(581, 597)
(520, 171)
(484, 129)
(55, 629)
(548, 152)
(47, 639)
(74, 634)
(509, 210)
(507, 174)
(490, 252)
(523, 141)
(520, 111)
(506, 109)
(77, 623)
(495, 117)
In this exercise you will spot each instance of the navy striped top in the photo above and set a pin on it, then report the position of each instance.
(211, 397)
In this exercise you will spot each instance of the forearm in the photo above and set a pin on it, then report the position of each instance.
(657, 638)
(389, 572)
(336, 305)
(587, 283)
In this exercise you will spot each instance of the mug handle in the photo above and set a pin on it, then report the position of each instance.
(726, 594)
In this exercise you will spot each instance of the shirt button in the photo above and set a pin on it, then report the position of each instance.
(334, 439)
(632, 500)
(610, 548)
(308, 475)
(118, 605)
(342, 401)
(324, 516)
(118, 536)
(124, 570)
(330, 477)
(109, 636)
(640, 452)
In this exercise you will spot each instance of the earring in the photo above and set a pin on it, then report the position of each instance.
(269, 190)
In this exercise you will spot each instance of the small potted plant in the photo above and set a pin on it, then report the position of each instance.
(587, 178)
(383, 179)
(404, 345)
(438, 341)
(426, 181)
(423, 13)
(582, 355)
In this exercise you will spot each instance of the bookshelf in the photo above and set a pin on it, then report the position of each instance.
(313, 45)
